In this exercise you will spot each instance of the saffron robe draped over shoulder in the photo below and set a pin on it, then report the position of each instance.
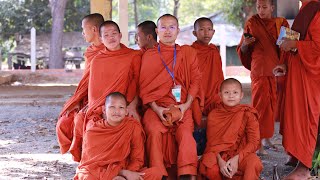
(302, 97)
(65, 122)
(107, 150)
(210, 66)
(167, 146)
(232, 131)
(261, 58)
(111, 71)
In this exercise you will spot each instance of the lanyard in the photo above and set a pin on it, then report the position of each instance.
(171, 73)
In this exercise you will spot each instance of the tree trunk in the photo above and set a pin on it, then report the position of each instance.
(58, 8)
(176, 8)
(135, 12)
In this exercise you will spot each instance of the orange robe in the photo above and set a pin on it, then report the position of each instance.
(111, 71)
(210, 66)
(169, 145)
(262, 57)
(65, 122)
(302, 97)
(108, 149)
(232, 131)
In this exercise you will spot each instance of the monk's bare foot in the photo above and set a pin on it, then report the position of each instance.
(301, 172)
(291, 161)
(119, 178)
(262, 151)
(268, 144)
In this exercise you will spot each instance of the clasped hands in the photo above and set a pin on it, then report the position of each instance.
(228, 168)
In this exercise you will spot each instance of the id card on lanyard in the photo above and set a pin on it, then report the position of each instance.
(176, 89)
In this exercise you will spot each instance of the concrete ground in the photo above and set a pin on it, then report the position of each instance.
(29, 110)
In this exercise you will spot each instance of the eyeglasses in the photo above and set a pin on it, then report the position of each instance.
(169, 28)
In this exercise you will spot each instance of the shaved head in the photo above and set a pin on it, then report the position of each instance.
(169, 16)
(117, 95)
(148, 27)
(94, 19)
(269, 1)
(109, 23)
(230, 81)
(199, 20)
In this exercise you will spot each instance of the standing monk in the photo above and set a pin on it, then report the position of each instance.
(210, 66)
(169, 77)
(146, 36)
(260, 54)
(90, 31)
(302, 97)
(115, 68)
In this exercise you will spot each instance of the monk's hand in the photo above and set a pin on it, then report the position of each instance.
(233, 165)
(248, 41)
(158, 110)
(224, 169)
(183, 108)
(288, 44)
(75, 107)
(280, 70)
(131, 175)
(132, 112)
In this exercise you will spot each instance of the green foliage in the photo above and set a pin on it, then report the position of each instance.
(236, 11)
(19, 16)
(316, 161)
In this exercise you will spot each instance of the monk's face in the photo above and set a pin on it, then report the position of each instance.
(115, 110)
(231, 94)
(204, 32)
(167, 30)
(264, 8)
(111, 37)
(89, 31)
(141, 39)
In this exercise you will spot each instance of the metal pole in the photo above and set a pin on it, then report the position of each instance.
(33, 49)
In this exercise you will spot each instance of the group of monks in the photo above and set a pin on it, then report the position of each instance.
(133, 113)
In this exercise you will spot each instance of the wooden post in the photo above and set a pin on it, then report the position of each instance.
(104, 7)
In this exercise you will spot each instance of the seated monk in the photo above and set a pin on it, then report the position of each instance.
(170, 76)
(115, 69)
(113, 146)
(146, 36)
(65, 124)
(209, 64)
(232, 138)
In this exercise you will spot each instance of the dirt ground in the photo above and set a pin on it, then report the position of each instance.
(28, 146)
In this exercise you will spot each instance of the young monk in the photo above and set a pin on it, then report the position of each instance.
(115, 68)
(146, 36)
(113, 146)
(90, 31)
(260, 54)
(210, 65)
(232, 138)
(170, 76)
(302, 97)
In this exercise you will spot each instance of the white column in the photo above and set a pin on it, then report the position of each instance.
(223, 51)
(33, 50)
(123, 21)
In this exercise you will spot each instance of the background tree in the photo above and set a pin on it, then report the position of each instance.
(58, 8)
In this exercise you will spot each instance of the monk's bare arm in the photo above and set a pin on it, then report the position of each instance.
(136, 156)
(253, 136)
